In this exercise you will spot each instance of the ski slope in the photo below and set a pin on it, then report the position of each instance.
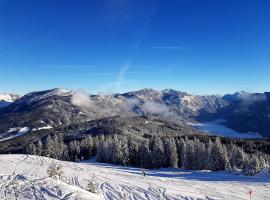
(25, 177)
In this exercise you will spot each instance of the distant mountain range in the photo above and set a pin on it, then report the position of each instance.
(60, 107)
(247, 112)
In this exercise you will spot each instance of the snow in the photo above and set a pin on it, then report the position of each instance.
(6, 98)
(23, 130)
(31, 97)
(43, 128)
(26, 177)
(217, 127)
(14, 132)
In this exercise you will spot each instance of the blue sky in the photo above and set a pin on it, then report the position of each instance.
(203, 47)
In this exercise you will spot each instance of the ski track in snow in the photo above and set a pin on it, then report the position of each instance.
(25, 177)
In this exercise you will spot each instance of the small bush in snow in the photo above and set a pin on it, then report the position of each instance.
(92, 185)
(55, 171)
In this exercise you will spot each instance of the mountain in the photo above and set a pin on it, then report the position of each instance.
(242, 111)
(249, 112)
(181, 103)
(6, 99)
(59, 107)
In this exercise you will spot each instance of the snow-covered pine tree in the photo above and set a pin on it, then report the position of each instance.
(236, 157)
(86, 146)
(251, 165)
(39, 146)
(31, 149)
(200, 156)
(190, 155)
(173, 153)
(158, 153)
(179, 144)
(145, 156)
(49, 147)
(208, 151)
(170, 152)
(74, 150)
(124, 156)
(102, 149)
(133, 147)
(218, 157)
(184, 158)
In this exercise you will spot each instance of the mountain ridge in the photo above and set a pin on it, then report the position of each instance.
(58, 106)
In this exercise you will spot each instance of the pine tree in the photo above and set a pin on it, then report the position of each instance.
(102, 150)
(200, 155)
(218, 157)
(179, 144)
(251, 165)
(133, 147)
(236, 157)
(31, 149)
(125, 155)
(145, 155)
(39, 148)
(208, 153)
(190, 155)
(184, 158)
(158, 153)
(173, 154)
(86, 147)
(49, 147)
(74, 150)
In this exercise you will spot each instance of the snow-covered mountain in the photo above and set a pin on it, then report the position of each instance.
(26, 177)
(247, 112)
(61, 107)
(6, 99)
(58, 107)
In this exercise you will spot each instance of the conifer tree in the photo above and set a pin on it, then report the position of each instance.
(218, 157)
(145, 155)
(158, 153)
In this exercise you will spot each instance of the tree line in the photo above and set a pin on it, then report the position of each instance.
(154, 152)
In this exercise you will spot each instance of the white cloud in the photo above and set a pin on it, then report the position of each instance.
(154, 108)
(81, 98)
(247, 99)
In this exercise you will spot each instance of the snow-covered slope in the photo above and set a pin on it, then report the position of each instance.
(25, 177)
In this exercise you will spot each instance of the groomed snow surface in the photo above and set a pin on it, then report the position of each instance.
(25, 177)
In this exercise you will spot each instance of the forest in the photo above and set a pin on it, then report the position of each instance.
(154, 152)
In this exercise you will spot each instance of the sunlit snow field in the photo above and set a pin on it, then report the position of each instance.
(25, 177)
